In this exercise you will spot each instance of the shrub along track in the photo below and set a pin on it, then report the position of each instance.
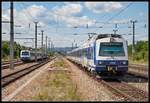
(119, 88)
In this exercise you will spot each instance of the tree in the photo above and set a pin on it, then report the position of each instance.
(141, 48)
(5, 49)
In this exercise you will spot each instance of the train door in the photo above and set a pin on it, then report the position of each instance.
(85, 57)
(90, 61)
(88, 56)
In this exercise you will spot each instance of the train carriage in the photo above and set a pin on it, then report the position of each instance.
(29, 55)
(105, 54)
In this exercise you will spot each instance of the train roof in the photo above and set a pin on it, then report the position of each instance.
(100, 36)
(33, 51)
(90, 41)
(25, 50)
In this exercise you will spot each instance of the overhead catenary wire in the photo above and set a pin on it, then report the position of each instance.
(120, 11)
(93, 27)
(28, 12)
(116, 14)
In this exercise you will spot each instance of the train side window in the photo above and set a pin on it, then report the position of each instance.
(90, 53)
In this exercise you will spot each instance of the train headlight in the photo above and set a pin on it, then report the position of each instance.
(124, 62)
(100, 62)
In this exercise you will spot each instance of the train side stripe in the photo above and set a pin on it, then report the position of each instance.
(94, 53)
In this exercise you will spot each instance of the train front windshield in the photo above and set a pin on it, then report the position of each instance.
(111, 49)
(25, 53)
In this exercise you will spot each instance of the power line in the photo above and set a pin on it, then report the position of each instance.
(120, 12)
(31, 16)
(27, 10)
(116, 14)
(27, 14)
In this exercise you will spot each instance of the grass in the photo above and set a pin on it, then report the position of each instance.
(57, 87)
(7, 58)
(59, 63)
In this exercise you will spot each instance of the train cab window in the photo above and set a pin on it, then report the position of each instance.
(111, 49)
(25, 53)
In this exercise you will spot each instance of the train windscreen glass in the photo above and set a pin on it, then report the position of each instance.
(25, 53)
(111, 49)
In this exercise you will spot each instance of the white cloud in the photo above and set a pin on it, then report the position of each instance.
(68, 9)
(79, 21)
(99, 7)
(65, 14)
(124, 21)
(36, 11)
(22, 17)
(75, 2)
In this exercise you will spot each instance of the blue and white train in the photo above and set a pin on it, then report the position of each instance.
(104, 54)
(29, 55)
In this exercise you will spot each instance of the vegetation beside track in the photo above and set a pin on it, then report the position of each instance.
(141, 53)
(59, 63)
(6, 48)
(17, 48)
(57, 86)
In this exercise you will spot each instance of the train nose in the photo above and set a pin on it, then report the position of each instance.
(25, 58)
(112, 69)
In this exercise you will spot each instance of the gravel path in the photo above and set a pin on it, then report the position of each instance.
(90, 89)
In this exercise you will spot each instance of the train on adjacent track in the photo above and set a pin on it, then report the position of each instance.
(29, 55)
(103, 54)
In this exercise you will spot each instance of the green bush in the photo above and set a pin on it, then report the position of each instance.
(6, 48)
(141, 51)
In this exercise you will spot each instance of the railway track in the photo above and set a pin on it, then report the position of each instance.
(131, 78)
(6, 65)
(7, 62)
(7, 79)
(138, 70)
(139, 74)
(126, 91)
(119, 88)
(137, 66)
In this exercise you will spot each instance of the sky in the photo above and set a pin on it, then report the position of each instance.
(61, 20)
